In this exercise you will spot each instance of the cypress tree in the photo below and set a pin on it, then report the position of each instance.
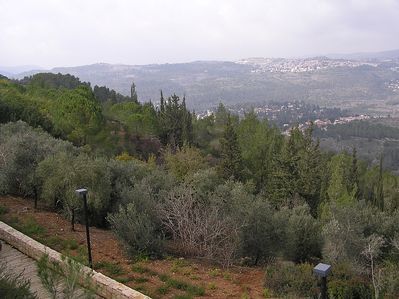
(231, 160)
(175, 122)
(133, 93)
(162, 103)
(353, 179)
(380, 188)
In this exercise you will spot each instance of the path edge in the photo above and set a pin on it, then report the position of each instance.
(105, 286)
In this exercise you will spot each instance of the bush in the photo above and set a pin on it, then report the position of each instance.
(391, 280)
(345, 284)
(184, 162)
(22, 148)
(201, 229)
(259, 237)
(349, 289)
(63, 173)
(136, 226)
(303, 235)
(125, 175)
(289, 279)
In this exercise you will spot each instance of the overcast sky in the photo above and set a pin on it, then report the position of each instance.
(52, 33)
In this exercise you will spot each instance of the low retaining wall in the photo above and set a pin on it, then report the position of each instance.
(105, 286)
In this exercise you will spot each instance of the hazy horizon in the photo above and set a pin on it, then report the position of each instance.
(72, 33)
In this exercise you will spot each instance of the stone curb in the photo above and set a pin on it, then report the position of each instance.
(104, 286)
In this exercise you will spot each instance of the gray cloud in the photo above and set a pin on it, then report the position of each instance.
(72, 32)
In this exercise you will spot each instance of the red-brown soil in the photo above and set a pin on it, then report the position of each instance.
(146, 275)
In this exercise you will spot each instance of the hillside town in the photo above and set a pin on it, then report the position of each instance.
(393, 85)
(281, 65)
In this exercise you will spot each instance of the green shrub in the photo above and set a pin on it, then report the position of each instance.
(303, 235)
(23, 147)
(391, 280)
(62, 174)
(260, 238)
(345, 284)
(349, 289)
(3, 210)
(286, 278)
(137, 228)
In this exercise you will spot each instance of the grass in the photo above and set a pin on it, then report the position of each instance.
(183, 297)
(171, 285)
(181, 266)
(31, 228)
(215, 272)
(61, 244)
(143, 270)
(28, 226)
(266, 293)
(113, 269)
(182, 285)
(245, 295)
(139, 269)
(194, 277)
(3, 210)
(141, 279)
(163, 290)
(140, 288)
(227, 276)
(124, 279)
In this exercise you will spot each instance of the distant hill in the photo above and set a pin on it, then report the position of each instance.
(321, 80)
(392, 54)
(13, 70)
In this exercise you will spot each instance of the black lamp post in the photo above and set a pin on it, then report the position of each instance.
(83, 192)
(322, 271)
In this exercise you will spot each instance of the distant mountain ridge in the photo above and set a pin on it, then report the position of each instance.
(390, 54)
(14, 70)
(321, 80)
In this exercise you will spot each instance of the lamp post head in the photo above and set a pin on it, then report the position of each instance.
(322, 270)
(81, 192)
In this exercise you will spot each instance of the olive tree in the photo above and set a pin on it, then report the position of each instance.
(22, 148)
(62, 174)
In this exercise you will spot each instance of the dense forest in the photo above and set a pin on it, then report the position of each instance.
(220, 188)
(372, 138)
(364, 129)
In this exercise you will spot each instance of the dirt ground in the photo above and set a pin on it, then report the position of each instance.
(155, 278)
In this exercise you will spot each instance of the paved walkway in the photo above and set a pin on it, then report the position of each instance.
(19, 264)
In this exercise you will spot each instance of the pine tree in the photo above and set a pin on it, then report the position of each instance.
(133, 93)
(187, 128)
(231, 160)
(354, 175)
(175, 122)
(285, 182)
(380, 188)
(162, 103)
(310, 172)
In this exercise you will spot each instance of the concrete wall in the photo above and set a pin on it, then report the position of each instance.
(105, 286)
